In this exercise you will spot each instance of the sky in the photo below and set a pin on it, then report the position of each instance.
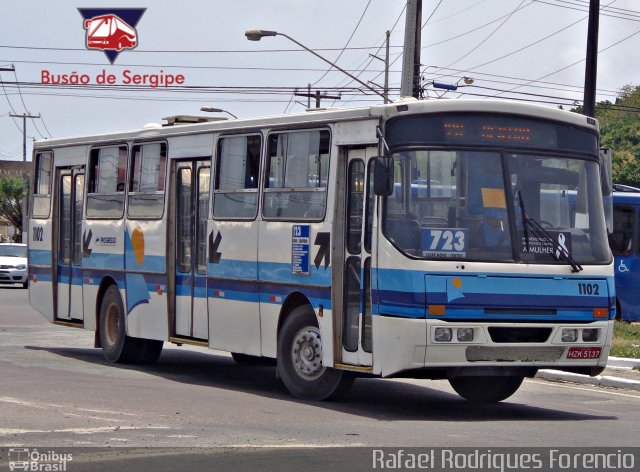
(530, 50)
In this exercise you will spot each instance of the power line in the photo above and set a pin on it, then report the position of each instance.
(196, 51)
(520, 5)
(25, 107)
(347, 43)
(581, 60)
(632, 16)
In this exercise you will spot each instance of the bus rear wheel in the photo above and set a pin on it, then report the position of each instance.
(300, 360)
(486, 389)
(116, 345)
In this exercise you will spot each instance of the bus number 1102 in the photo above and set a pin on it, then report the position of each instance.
(588, 289)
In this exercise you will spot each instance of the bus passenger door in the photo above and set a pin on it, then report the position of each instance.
(191, 208)
(356, 329)
(70, 183)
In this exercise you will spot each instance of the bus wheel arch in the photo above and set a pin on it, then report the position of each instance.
(293, 301)
(299, 358)
(117, 346)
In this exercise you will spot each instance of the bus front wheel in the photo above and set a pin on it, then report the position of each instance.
(116, 345)
(486, 389)
(300, 360)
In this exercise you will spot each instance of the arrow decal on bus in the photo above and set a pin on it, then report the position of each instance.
(86, 241)
(322, 240)
(214, 255)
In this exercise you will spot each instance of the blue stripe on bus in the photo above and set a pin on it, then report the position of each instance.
(40, 257)
(407, 294)
(266, 292)
(100, 261)
(271, 271)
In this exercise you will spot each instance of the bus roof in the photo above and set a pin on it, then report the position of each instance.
(321, 116)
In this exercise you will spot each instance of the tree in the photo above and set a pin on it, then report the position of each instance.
(620, 131)
(12, 192)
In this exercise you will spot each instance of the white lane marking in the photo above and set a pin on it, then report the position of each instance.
(103, 429)
(46, 406)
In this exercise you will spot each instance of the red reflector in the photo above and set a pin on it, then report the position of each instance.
(601, 313)
(584, 352)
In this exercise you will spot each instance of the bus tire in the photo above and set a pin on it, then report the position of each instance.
(486, 389)
(300, 360)
(117, 347)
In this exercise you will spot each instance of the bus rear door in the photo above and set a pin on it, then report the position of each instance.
(68, 243)
(191, 184)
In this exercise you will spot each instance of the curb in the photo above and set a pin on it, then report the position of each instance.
(622, 362)
(599, 380)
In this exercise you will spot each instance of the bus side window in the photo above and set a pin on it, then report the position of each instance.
(41, 200)
(146, 180)
(105, 194)
(296, 185)
(237, 175)
(621, 239)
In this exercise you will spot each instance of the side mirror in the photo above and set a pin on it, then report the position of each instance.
(383, 176)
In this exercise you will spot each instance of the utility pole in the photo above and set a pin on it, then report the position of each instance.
(25, 175)
(317, 95)
(591, 67)
(411, 61)
(24, 117)
(386, 68)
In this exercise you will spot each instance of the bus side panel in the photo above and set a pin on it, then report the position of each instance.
(279, 279)
(103, 256)
(232, 288)
(146, 279)
(40, 267)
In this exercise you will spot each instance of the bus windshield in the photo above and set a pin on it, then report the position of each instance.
(496, 206)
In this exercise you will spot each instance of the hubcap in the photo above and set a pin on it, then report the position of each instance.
(112, 324)
(306, 353)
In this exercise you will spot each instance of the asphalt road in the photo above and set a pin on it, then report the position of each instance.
(56, 390)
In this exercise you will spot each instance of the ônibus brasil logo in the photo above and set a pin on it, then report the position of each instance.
(111, 30)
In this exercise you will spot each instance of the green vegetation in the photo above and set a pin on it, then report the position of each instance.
(620, 131)
(626, 340)
(12, 191)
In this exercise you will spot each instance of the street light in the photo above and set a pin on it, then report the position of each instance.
(217, 110)
(258, 34)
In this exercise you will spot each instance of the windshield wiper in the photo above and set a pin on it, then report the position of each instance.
(531, 225)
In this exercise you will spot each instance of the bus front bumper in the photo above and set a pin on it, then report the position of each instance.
(450, 349)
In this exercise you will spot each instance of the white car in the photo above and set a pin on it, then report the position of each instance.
(13, 264)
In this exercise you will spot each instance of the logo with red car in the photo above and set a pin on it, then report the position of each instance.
(111, 30)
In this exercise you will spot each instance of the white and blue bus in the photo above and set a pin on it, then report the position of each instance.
(413, 239)
(626, 251)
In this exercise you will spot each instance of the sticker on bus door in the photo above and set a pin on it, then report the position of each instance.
(300, 240)
(444, 242)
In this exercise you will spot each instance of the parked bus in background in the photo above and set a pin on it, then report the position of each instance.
(409, 239)
(626, 251)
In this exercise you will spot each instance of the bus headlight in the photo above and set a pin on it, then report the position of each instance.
(443, 335)
(464, 335)
(590, 335)
(569, 335)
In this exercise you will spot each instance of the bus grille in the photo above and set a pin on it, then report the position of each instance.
(514, 354)
(501, 334)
